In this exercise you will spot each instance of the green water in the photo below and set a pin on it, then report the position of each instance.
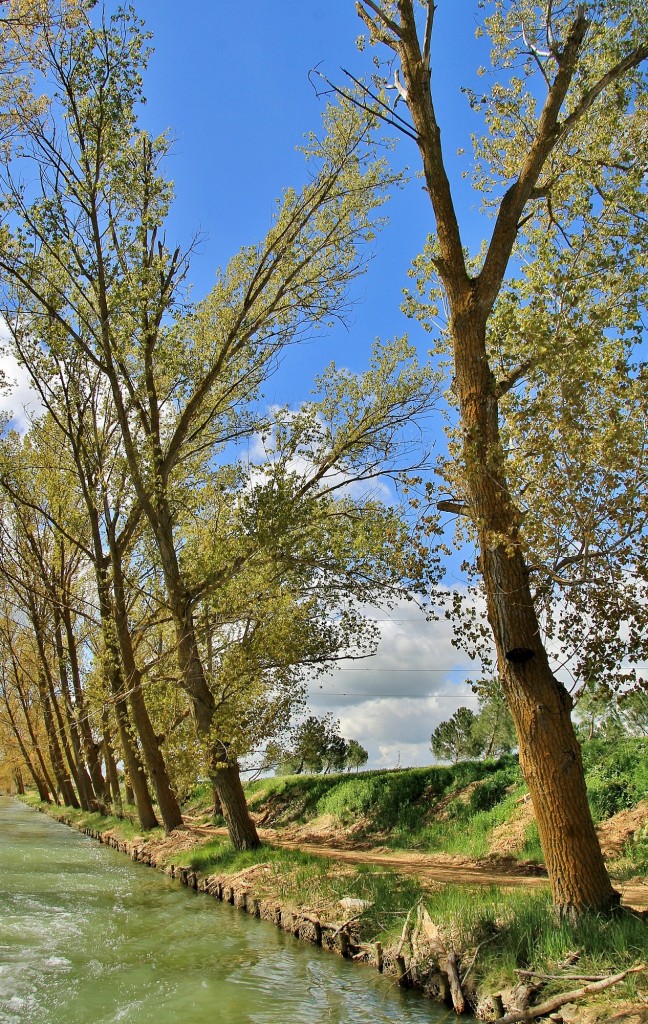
(88, 937)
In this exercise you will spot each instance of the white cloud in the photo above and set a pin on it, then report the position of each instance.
(21, 401)
(393, 701)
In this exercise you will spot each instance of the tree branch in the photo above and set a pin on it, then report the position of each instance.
(380, 14)
(543, 1009)
(547, 135)
(427, 34)
(632, 60)
(509, 382)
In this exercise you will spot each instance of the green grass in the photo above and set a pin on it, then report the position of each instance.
(514, 929)
(397, 808)
(218, 855)
(519, 929)
(616, 773)
(125, 828)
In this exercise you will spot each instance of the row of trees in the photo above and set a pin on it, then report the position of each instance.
(600, 714)
(315, 745)
(162, 599)
(198, 578)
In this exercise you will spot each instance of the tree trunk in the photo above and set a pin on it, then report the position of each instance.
(63, 781)
(36, 746)
(549, 752)
(226, 780)
(133, 764)
(111, 766)
(87, 795)
(140, 791)
(157, 770)
(77, 776)
(40, 785)
(90, 748)
(241, 828)
(540, 706)
(18, 780)
(128, 790)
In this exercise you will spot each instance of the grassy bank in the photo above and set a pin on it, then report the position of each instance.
(474, 809)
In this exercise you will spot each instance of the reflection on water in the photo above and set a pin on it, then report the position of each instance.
(88, 937)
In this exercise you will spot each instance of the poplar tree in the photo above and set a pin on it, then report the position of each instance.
(92, 286)
(557, 290)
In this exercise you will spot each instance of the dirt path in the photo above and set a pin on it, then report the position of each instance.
(432, 869)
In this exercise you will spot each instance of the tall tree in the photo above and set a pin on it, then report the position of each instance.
(88, 273)
(561, 152)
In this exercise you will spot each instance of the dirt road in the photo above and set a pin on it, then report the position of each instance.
(432, 869)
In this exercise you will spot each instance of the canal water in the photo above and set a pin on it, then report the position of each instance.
(89, 937)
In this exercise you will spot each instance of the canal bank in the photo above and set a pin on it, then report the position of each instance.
(444, 961)
(89, 938)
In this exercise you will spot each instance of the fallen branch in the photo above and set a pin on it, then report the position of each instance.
(404, 933)
(543, 1009)
(458, 1000)
(341, 927)
(562, 977)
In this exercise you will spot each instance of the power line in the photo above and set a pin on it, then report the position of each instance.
(418, 696)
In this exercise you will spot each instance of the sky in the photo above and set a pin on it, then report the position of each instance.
(230, 82)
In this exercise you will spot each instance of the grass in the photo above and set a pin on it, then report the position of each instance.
(518, 929)
(504, 929)
(124, 828)
(218, 855)
(454, 809)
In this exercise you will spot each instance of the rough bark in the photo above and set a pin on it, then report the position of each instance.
(155, 763)
(111, 765)
(241, 828)
(225, 776)
(549, 752)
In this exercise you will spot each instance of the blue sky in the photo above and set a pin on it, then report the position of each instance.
(230, 82)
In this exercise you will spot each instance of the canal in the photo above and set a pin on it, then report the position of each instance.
(88, 937)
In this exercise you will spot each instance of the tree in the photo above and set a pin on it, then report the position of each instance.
(494, 728)
(560, 154)
(356, 755)
(456, 739)
(317, 745)
(96, 296)
(489, 733)
(602, 714)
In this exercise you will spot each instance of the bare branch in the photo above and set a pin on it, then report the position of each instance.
(394, 119)
(427, 34)
(375, 30)
(450, 505)
(543, 1009)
